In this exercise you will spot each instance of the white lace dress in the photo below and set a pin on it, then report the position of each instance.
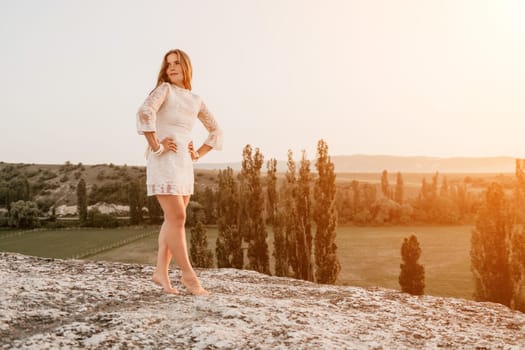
(172, 111)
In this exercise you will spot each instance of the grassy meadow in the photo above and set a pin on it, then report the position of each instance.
(369, 256)
(68, 243)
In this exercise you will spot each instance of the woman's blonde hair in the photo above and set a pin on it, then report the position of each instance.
(185, 62)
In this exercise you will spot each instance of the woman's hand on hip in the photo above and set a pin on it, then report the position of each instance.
(192, 151)
(169, 144)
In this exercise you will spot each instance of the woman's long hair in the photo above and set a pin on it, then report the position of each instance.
(185, 62)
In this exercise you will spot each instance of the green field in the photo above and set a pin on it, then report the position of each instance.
(67, 243)
(369, 256)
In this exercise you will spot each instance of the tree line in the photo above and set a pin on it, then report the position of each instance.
(438, 202)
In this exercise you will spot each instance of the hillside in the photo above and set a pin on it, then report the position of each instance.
(56, 184)
(51, 303)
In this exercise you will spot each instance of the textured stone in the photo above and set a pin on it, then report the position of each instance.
(52, 303)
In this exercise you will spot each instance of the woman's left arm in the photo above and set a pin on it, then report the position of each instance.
(214, 139)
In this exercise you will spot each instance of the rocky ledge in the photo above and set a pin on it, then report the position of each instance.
(51, 303)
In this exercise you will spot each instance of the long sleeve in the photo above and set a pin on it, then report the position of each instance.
(214, 138)
(147, 113)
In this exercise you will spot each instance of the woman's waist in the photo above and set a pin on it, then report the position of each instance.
(178, 134)
(165, 128)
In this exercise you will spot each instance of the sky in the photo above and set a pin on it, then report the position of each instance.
(438, 78)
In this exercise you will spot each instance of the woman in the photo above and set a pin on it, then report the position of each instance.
(168, 115)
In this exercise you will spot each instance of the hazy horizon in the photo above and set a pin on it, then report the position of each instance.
(407, 78)
(368, 164)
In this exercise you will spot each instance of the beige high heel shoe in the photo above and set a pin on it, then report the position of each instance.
(194, 286)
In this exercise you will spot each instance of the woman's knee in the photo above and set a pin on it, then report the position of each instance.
(175, 216)
(174, 210)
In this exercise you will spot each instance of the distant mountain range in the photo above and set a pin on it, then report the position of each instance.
(376, 163)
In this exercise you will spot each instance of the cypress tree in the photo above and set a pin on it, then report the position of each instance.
(517, 255)
(304, 222)
(244, 189)
(519, 191)
(444, 187)
(82, 201)
(275, 218)
(229, 241)
(326, 261)
(271, 191)
(255, 232)
(356, 198)
(426, 200)
(399, 189)
(209, 203)
(461, 198)
(385, 186)
(135, 203)
(489, 248)
(412, 276)
(435, 180)
(517, 263)
(291, 218)
(200, 255)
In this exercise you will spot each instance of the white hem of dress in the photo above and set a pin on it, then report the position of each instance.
(169, 189)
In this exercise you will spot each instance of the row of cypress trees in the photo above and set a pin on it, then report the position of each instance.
(289, 208)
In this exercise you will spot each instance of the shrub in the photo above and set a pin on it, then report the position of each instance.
(9, 172)
(4, 222)
(45, 204)
(51, 186)
(96, 219)
(24, 214)
(33, 173)
(55, 224)
(112, 192)
(200, 254)
(101, 175)
(47, 175)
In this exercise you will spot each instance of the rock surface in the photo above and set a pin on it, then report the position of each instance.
(51, 303)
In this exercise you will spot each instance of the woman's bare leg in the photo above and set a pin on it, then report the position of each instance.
(161, 274)
(167, 252)
(173, 236)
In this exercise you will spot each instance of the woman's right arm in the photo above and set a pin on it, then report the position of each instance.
(147, 118)
(153, 142)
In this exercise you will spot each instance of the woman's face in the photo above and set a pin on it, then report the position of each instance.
(174, 70)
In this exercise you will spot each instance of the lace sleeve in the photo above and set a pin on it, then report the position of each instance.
(214, 138)
(147, 113)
